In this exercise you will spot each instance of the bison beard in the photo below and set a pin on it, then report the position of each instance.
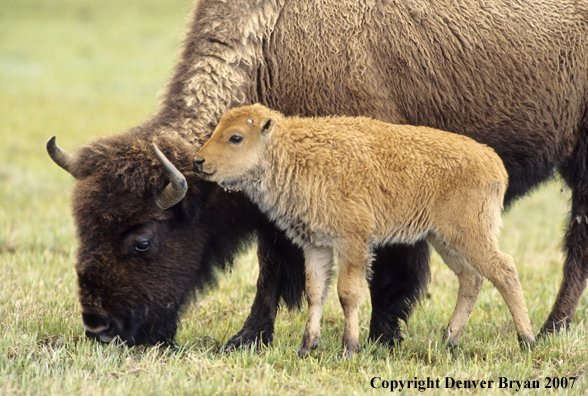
(508, 75)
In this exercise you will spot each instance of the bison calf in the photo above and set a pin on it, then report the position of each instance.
(349, 185)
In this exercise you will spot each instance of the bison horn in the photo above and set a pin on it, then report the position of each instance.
(176, 190)
(60, 157)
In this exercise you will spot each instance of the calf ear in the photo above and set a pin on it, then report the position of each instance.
(267, 125)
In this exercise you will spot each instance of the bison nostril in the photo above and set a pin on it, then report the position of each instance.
(95, 323)
(198, 164)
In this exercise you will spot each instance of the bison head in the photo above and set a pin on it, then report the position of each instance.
(149, 231)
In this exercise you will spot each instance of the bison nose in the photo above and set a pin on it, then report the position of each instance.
(94, 322)
(198, 164)
(98, 326)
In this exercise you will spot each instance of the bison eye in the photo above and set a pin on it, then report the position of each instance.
(142, 246)
(236, 139)
(141, 240)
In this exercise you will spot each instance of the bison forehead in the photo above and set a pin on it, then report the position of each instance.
(118, 179)
(102, 200)
(130, 157)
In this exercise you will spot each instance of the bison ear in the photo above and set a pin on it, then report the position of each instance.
(267, 125)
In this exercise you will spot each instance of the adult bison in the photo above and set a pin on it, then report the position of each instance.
(512, 75)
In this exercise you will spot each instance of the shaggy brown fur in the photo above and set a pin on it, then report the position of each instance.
(352, 184)
(512, 75)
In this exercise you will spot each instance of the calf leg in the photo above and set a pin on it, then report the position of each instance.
(483, 254)
(470, 284)
(353, 262)
(319, 263)
(395, 288)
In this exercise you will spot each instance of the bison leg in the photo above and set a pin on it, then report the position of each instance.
(470, 284)
(281, 275)
(575, 270)
(400, 274)
(319, 263)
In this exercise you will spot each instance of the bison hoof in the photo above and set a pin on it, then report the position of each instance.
(247, 340)
(550, 328)
(389, 340)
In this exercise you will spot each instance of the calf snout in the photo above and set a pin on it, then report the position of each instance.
(198, 164)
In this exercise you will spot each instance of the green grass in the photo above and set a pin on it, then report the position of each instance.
(82, 69)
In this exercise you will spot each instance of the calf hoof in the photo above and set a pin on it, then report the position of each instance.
(349, 354)
(309, 344)
(349, 349)
(526, 342)
(305, 352)
(451, 338)
(451, 345)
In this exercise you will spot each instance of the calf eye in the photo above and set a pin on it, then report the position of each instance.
(142, 246)
(236, 139)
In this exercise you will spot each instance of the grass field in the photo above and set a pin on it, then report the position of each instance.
(78, 69)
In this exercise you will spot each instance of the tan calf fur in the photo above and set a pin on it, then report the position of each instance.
(347, 185)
